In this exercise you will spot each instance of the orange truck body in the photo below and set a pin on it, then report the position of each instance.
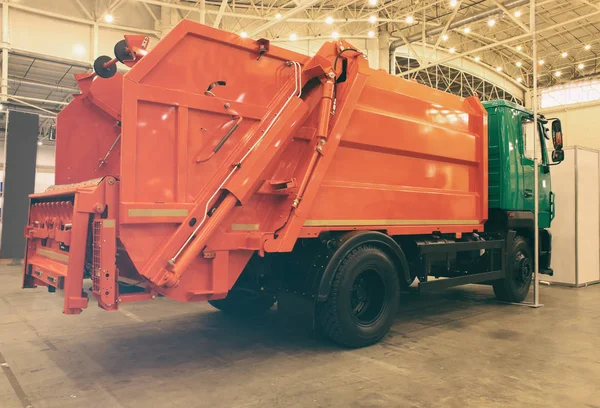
(164, 180)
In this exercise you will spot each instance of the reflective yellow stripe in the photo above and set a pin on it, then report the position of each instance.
(53, 255)
(157, 212)
(108, 223)
(349, 223)
(244, 227)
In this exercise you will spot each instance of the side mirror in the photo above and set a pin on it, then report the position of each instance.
(557, 138)
(558, 156)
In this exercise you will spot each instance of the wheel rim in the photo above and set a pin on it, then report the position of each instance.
(523, 268)
(367, 298)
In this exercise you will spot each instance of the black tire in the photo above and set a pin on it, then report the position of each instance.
(244, 304)
(515, 286)
(363, 300)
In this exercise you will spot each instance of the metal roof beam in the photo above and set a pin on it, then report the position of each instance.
(292, 12)
(437, 43)
(79, 20)
(52, 87)
(149, 10)
(85, 10)
(503, 42)
(220, 14)
(468, 20)
(510, 15)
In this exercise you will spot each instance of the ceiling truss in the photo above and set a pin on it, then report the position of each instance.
(567, 33)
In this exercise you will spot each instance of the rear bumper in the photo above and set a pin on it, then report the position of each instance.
(71, 231)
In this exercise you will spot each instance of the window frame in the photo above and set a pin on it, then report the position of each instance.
(540, 134)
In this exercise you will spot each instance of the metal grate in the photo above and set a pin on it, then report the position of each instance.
(96, 246)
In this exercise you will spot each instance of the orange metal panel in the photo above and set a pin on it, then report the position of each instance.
(86, 130)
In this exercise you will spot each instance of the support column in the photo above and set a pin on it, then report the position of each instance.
(202, 11)
(19, 181)
(527, 100)
(536, 160)
(95, 42)
(4, 81)
(372, 48)
(5, 45)
(168, 19)
(165, 21)
(384, 48)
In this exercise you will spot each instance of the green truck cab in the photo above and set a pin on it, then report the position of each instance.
(511, 167)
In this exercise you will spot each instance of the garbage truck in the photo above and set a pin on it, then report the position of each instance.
(229, 170)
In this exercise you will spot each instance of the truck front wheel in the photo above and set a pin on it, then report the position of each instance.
(515, 286)
(363, 300)
(244, 303)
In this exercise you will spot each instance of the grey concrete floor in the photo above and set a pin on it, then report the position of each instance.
(458, 348)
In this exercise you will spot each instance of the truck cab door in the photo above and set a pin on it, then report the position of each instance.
(529, 134)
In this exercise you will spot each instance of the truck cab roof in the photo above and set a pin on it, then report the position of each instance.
(497, 103)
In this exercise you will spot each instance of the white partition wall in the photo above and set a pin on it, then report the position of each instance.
(576, 227)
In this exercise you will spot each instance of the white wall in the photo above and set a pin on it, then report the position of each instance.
(45, 162)
(580, 122)
(44, 175)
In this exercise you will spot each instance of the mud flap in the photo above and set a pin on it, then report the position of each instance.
(301, 309)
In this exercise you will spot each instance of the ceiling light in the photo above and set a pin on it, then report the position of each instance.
(557, 74)
(451, 50)
(541, 62)
(278, 16)
(499, 69)
(587, 47)
(372, 19)
(329, 20)
(491, 22)
(1, 106)
(453, 3)
(519, 79)
(293, 37)
(467, 30)
(373, 2)
(108, 18)
(410, 20)
(79, 49)
(445, 37)
(580, 66)
(40, 143)
(477, 59)
(371, 34)
(518, 13)
(519, 48)
(564, 54)
(243, 34)
(335, 34)
(518, 64)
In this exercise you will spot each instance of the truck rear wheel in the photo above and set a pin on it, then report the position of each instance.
(244, 303)
(363, 300)
(515, 286)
